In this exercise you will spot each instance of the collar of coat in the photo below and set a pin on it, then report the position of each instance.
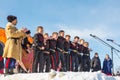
(9, 23)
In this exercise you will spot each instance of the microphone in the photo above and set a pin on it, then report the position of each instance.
(92, 35)
(110, 40)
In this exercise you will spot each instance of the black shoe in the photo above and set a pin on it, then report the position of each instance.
(6, 71)
(11, 72)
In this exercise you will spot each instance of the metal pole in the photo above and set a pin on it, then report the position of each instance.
(116, 44)
(112, 48)
(112, 61)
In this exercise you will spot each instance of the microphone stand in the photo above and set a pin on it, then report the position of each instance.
(115, 43)
(112, 48)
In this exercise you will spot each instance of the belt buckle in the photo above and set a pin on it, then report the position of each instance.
(75, 51)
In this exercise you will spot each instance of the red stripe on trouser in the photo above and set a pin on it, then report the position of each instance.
(1, 58)
(7, 63)
(1, 71)
(53, 65)
(70, 63)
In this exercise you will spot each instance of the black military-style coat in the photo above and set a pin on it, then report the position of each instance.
(47, 45)
(25, 42)
(60, 42)
(86, 51)
(38, 40)
(52, 44)
(80, 48)
(67, 45)
(74, 47)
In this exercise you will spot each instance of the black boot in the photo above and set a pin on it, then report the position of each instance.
(6, 71)
(11, 71)
(64, 69)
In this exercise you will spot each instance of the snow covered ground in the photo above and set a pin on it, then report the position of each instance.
(60, 76)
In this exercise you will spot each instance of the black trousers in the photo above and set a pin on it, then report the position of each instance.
(96, 69)
(67, 61)
(79, 61)
(74, 61)
(53, 60)
(38, 59)
(85, 63)
(47, 62)
(61, 58)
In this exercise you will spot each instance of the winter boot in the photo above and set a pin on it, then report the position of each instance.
(6, 71)
(11, 71)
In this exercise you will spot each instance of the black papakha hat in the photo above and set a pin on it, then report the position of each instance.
(11, 18)
(28, 32)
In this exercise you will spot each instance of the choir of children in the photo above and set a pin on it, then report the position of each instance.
(55, 52)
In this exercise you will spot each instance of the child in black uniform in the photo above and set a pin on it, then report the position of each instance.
(86, 57)
(81, 47)
(52, 45)
(46, 52)
(60, 47)
(38, 48)
(74, 55)
(67, 52)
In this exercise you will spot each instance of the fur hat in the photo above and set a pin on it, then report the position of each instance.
(28, 32)
(11, 18)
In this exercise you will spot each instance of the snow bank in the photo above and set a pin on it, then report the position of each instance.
(60, 76)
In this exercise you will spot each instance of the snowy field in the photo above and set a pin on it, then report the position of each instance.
(60, 76)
